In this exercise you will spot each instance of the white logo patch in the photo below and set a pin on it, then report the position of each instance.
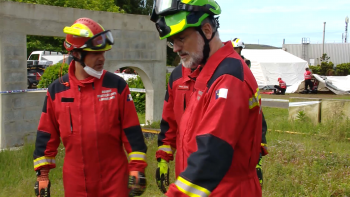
(106, 95)
(221, 93)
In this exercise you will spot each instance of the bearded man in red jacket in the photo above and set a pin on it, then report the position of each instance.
(219, 133)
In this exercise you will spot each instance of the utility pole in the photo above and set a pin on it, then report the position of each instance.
(324, 31)
(346, 28)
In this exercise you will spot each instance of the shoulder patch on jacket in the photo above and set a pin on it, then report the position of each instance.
(230, 66)
(175, 75)
(111, 80)
(56, 86)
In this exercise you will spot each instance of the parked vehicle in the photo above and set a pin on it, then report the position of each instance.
(52, 56)
(38, 61)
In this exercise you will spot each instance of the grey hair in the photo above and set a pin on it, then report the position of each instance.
(213, 23)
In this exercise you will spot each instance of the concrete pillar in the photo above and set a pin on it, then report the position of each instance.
(13, 76)
(13, 66)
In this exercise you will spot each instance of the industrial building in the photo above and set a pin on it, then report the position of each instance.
(338, 52)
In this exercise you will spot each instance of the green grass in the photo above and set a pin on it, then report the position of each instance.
(297, 165)
(142, 118)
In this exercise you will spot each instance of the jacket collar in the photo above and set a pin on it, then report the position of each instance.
(212, 63)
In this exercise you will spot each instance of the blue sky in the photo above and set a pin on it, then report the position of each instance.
(270, 21)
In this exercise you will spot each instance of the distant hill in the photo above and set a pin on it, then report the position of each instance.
(260, 46)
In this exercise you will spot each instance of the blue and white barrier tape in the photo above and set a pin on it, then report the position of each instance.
(20, 91)
(39, 89)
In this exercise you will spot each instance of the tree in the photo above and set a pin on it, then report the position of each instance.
(324, 58)
(99, 5)
(35, 43)
(143, 7)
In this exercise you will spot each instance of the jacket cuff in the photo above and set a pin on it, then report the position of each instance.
(139, 166)
(163, 155)
(263, 149)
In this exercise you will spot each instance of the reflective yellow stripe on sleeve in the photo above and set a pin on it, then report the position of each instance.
(42, 161)
(254, 100)
(262, 144)
(191, 189)
(137, 156)
(166, 148)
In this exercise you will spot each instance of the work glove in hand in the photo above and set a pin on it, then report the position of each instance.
(42, 184)
(162, 175)
(259, 171)
(137, 183)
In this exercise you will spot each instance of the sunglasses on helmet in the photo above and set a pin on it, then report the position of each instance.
(99, 41)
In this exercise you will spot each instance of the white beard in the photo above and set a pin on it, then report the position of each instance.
(196, 57)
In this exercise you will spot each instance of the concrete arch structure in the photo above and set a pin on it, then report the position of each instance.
(145, 72)
(136, 45)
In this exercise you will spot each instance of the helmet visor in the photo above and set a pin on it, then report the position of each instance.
(163, 6)
(99, 41)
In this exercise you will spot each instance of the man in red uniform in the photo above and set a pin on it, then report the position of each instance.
(92, 111)
(219, 134)
(308, 82)
(281, 87)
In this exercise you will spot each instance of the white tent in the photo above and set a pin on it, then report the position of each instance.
(336, 84)
(268, 65)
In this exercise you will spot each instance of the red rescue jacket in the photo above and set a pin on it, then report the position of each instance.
(219, 135)
(96, 120)
(179, 89)
(282, 84)
(307, 75)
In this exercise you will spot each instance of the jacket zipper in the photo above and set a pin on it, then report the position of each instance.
(184, 101)
(71, 122)
(95, 112)
(82, 155)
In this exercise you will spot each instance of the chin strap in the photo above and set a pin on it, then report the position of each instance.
(82, 58)
(206, 48)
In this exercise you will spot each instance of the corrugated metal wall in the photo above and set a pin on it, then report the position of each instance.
(338, 52)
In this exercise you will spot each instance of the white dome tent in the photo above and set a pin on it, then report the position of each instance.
(267, 65)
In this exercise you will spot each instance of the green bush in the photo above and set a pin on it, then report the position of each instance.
(316, 69)
(139, 98)
(52, 73)
(167, 79)
(343, 69)
(326, 69)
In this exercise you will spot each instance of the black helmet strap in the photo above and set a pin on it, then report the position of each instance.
(206, 48)
(82, 57)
